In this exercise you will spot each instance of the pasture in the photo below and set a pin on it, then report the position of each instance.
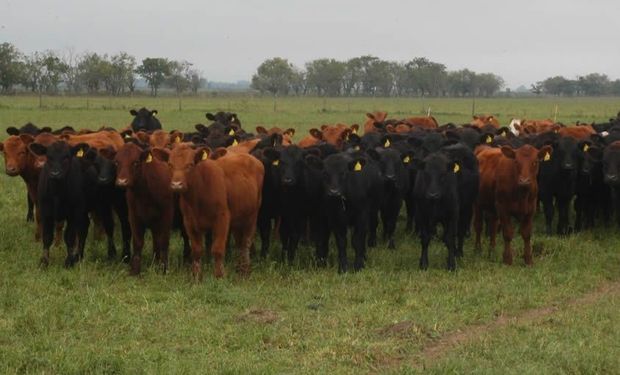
(560, 316)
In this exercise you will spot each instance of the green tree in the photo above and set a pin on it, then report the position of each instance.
(488, 83)
(180, 76)
(93, 69)
(155, 70)
(11, 66)
(325, 76)
(274, 76)
(594, 84)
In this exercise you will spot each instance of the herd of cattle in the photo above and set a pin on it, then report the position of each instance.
(221, 179)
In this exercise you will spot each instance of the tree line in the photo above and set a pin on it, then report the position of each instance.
(49, 72)
(593, 84)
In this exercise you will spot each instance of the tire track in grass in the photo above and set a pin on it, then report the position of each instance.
(435, 350)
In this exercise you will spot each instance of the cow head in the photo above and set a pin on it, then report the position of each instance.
(590, 155)
(391, 164)
(128, 160)
(611, 164)
(181, 160)
(436, 175)
(58, 156)
(336, 169)
(288, 162)
(527, 160)
(15, 151)
(144, 119)
(102, 161)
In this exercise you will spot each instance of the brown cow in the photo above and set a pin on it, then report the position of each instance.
(371, 118)
(508, 177)
(579, 132)
(536, 126)
(287, 135)
(149, 200)
(480, 121)
(311, 139)
(428, 122)
(97, 140)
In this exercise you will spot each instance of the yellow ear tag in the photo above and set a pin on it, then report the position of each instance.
(231, 132)
(80, 153)
(127, 136)
(358, 167)
(407, 159)
(353, 131)
(387, 143)
(586, 147)
(177, 139)
(489, 139)
(356, 148)
(503, 134)
(205, 155)
(149, 158)
(235, 142)
(276, 162)
(547, 157)
(457, 168)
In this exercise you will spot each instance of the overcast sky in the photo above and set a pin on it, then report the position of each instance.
(523, 41)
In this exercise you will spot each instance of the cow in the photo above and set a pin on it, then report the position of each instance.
(351, 189)
(144, 119)
(61, 197)
(592, 195)
(428, 122)
(225, 118)
(372, 118)
(436, 201)
(28, 128)
(482, 120)
(557, 177)
(150, 202)
(611, 172)
(509, 188)
(234, 184)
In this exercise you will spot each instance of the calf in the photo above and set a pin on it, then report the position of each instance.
(436, 201)
(611, 172)
(508, 177)
(144, 119)
(61, 197)
(351, 194)
(150, 202)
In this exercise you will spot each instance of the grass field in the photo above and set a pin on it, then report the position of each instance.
(96, 319)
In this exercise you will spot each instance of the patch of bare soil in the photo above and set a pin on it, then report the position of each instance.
(262, 316)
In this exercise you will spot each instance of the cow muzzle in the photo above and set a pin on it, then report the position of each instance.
(524, 181)
(177, 186)
(122, 182)
(12, 170)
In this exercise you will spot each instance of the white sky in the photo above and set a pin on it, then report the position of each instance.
(523, 41)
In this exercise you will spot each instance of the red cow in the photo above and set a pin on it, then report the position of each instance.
(508, 177)
(480, 121)
(428, 122)
(149, 200)
(371, 118)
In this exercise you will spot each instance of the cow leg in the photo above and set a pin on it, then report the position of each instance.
(373, 223)
(218, 249)
(30, 213)
(70, 235)
(264, 230)
(161, 243)
(321, 233)
(450, 230)
(508, 233)
(39, 226)
(108, 226)
(562, 204)
(137, 237)
(81, 230)
(121, 212)
(579, 211)
(389, 217)
(48, 237)
(425, 240)
(492, 223)
(196, 246)
(58, 236)
(478, 228)
(358, 240)
(242, 240)
(341, 244)
(187, 250)
(526, 234)
(548, 209)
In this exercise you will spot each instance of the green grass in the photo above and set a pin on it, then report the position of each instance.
(96, 319)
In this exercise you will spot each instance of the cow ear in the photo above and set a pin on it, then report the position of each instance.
(91, 154)
(11, 130)
(545, 152)
(373, 154)
(313, 161)
(133, 112)
(45, 129)
(261, 130)
(26, 138)
(509, 152)
(316, 133)
(201, 128)
(210, 116)
(160, 154)
(37, 149)
(202, 153)
(370, 116)
(272, 154)
(355, 128)
(80, 150)
(289, 131)
(323, 127)
(407, 158)
(357, 164)
(153, 112)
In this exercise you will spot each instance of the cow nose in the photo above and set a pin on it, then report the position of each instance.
(54, 173)
(121, 181)
(333, 192)
(390, 177)
(11, 170)
(524, 181)
(569, 166)
(611, 177)
(433, 195)
(102, 179)
(288, 181)
(176, 185)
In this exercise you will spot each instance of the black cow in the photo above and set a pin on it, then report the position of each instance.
(557, 177)
(28, 128)
(611, 171)
(61, 198)
(225, 118)
(145, 120)
(436, 198)
(102, 196)
(396, 184)
(592, 195)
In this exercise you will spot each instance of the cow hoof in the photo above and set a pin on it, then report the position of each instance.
(44, 262)
(391, 245)
(423, 266)
(69, 261)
